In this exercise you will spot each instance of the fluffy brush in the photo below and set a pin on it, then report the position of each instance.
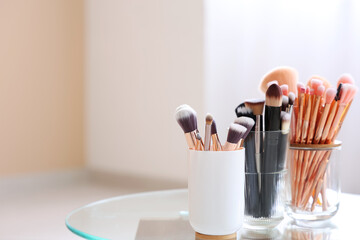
(235, 133)
(186, 118)
(284, 75)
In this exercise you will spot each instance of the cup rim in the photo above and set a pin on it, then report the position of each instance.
(297, 146)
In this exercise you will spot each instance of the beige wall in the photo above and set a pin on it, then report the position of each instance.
(41, 85)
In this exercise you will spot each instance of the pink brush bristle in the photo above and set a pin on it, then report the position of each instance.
(348, 93)
(312, 91)
(330, 95)
(285, 89)
(345, 78)
(320, 90)
(300, 88)
(307, 90)
(315, 83)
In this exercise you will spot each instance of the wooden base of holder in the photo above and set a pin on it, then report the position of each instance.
(199, 236)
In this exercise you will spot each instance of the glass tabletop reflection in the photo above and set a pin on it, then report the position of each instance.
(163, 215)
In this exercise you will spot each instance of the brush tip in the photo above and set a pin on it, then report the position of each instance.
(330, 95)
(186, 118)
(345, 78)
(283, 75)
(285, 89)
(291, 98)
(272, 82)
(213, 128)
(208, 119)
(236, 132)
(320, 90)
(256, 105)
(245, 121)
(315, 83)
(273, 96)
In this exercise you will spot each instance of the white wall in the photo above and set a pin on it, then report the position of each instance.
(245, 39)
(144, 58)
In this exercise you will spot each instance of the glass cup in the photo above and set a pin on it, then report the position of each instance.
(265, 174)
(313, 187)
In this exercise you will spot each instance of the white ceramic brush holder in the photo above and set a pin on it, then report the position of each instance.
(216, 191)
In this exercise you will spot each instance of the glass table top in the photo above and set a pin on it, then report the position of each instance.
(163, 215)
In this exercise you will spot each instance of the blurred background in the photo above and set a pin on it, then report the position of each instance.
(88, 91)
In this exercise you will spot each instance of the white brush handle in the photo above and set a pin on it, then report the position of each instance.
(207, 137)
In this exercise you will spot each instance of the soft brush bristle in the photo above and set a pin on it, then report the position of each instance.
(186, 117)
(285, 89)
(208, 119)
(330, 95)
(320, 90)
(236, 132)
(345, 78)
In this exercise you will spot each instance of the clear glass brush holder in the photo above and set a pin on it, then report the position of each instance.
(265, 174)
(313, 186)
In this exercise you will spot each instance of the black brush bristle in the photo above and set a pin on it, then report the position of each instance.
(291, 98)
(213, 128)
(338, 92)
(187, 120)
(236, 132)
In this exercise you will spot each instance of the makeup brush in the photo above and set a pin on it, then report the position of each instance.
(186, 118)
(329, 97)
(332, 113)
(285, 103)
(344, 78)
(283, 142)
(284, 75)
(284, 89)
(291, 102)
(198, 145)
(273, 108)
(246, 122)
(242, 110)
(257, 107)
(323, 80)
(301, 102)
(319, 92)
(215, 137)
(235, 133)
(208, 122)
(347, 94)
(305, 123)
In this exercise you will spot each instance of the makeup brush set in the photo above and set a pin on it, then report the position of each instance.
(308, 116)
(238, 131)
(318, 115)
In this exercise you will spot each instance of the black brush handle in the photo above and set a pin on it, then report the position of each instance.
(252, 196)
(269, 169)
(272, 118)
